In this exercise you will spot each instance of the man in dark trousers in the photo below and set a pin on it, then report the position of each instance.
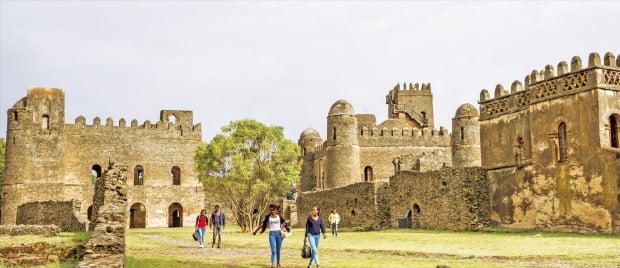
(217, 222)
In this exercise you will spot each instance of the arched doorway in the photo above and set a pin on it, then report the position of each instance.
(368, 173)
(137, 216)
(175, 215)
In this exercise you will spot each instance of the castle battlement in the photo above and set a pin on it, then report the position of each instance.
(548, 84)
(412, 88)
(158, 127)
(403, 136)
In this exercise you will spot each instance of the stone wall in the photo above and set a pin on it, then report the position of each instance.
(58, 161)
(64, 214)
(452, 199)
(106, 248)
(45, 230)
(355, 204)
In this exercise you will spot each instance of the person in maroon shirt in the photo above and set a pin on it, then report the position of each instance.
(314, 228)
(201, 225)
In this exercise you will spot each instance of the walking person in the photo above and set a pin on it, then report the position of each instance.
(201, 226)
(334, 220)
(217, 223)
(314, 228)
(275, 223)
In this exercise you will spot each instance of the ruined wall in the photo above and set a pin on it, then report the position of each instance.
(452, 199)
(106, 248)
(64, 214)
(355, 203)
(571, 180)
(59, 162)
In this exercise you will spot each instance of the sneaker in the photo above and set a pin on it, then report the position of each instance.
(201, 246)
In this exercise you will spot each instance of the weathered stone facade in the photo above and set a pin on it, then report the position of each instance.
(550, 150)
(44, 230)
(551, 147)
(106, 247)
(49, 160)
(64, 214)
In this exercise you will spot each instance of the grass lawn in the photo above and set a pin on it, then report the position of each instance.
(174, 247)
(62, 240)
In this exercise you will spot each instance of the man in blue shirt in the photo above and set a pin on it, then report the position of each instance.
(217, 222)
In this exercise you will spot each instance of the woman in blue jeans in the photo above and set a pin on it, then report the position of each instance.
(314, 228)
(274, 221)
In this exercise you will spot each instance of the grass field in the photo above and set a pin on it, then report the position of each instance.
(174, 247)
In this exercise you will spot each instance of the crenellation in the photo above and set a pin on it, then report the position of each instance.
(594, 60)
(96, 122)
(80, 121)
(609, 60)
(484, 95)
(109, 122)
(499, 91)
(534, 77)
(147, 124)
(562, 68)
(121, 122)
(549, 72)
(516, 87)
(575, 64)
(618, 61)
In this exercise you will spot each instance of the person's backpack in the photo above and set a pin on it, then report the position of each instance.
(306, 251)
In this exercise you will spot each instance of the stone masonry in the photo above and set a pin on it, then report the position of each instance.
(106, 248)
(48, 160)
(64, 214)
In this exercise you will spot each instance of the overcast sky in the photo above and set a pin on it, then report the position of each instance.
(283, 63)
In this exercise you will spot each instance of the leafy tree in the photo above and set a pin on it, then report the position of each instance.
(246, 166)
(2, 146)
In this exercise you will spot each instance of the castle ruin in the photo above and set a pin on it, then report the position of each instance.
(546, 155)
(50, 162)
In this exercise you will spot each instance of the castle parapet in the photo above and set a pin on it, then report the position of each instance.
(165, 127)
(404, 136)
(548, 84)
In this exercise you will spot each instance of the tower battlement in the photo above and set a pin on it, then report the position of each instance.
(147, 128)
(548, 84)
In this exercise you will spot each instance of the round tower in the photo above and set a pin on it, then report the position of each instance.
(34, 150)
(308, 140)
(466, 137)
(343, 152)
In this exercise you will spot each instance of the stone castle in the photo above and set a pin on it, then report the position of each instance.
(51, 167)
(546, 155)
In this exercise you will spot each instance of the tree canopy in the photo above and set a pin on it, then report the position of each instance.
(246, 167)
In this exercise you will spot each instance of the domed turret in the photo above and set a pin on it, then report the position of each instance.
(308, 140)
(466, 137)
(341, 107)
(342, 150)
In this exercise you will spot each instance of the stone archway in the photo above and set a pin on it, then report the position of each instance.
(175, 215)
(137, 216)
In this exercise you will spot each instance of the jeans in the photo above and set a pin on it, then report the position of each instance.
(334, 229)
(201, 231)
(217, 232)
(275, 242)
(314, 244)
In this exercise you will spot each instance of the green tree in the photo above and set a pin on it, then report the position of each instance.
(246, 166)
(2, 146)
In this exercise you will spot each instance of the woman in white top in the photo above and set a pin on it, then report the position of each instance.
(274, 221)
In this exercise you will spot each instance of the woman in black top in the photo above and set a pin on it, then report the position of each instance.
(314, 228)
(274, 221)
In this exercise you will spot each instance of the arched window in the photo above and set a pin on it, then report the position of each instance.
(368, 176)
(562, 142)
(45, 122)
(172, 119)
(96, 171)
(416, 208)
(613, 130)
(138, 175)
(176, 175)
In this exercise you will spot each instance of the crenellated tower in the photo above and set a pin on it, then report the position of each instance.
(309, 139)
(413, 103)
(342, 148)
(466, 137)
(34, 148)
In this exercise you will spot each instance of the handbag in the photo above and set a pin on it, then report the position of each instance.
(195, 235)
(286, 233)
(306, 251)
